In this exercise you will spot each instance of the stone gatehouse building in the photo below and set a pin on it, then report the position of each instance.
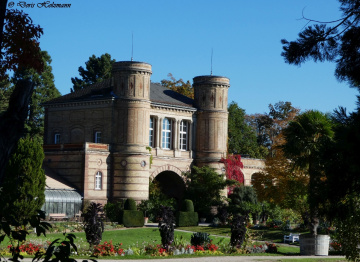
(107, 140)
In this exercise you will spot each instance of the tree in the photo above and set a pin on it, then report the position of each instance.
(44, 90)
(241, 137)
(336, 41)
(179, 86)
(97, 69)
(24, 185)
(282, 185)
(269, 126)
(19, 49)
(204, 187)
(244, 201)
(306, 140)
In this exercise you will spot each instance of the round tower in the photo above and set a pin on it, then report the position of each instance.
(131, 133)
(211, 99)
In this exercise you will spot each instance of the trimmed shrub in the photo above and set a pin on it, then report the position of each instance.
(130, 204)
(112, 210)
(188, 206)
(187, 219)
(131, 218)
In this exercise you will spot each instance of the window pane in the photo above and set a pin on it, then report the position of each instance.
(183, 135)
(166, 134)
(98, 180)
(151, 132)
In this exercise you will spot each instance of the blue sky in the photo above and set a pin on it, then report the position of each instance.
(177, 37)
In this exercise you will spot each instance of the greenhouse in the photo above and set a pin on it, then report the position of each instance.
(62, 201)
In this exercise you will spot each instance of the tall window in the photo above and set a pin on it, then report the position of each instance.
(97, 137)
(166, 134)
(151, 132)
(98, 181)
(183, 135)
(57, 138)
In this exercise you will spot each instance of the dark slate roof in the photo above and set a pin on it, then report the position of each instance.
(104, 90)
(101, 90)
(163, 95)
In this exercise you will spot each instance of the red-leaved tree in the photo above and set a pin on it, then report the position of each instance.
(233, 166)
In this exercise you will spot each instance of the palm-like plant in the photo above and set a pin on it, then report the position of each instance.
(306, 139)
(93, 223)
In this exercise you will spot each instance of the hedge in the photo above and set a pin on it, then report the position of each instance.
(131, 218)
(187, 219)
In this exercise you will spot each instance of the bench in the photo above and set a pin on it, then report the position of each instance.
(291, 238)
(57, 216)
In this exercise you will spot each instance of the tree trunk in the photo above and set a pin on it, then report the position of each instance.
(12, 121)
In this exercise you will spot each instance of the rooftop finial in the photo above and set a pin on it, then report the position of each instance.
(132, 46)
(211, 60)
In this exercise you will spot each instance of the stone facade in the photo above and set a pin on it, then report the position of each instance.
(107, 140)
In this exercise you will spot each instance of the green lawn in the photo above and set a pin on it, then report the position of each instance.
(128, 237)
(271, 235)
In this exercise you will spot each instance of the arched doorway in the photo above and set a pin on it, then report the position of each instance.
(171, 184)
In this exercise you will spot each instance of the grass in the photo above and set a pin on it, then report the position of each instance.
(128, 237)
(271, 235)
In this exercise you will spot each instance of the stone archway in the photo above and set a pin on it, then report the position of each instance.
(171, 184)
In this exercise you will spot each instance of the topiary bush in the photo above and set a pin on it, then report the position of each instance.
(113, 210)
(188, 206)
(130, 217)
(130, 204)
(200, 239)
(187, 219)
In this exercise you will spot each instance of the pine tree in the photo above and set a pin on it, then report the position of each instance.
(97, 70)
(24, 184)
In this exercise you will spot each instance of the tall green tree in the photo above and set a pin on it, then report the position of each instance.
(307, 138)
(244, 201)
(44, 90)
(24, 185)
(241, 137)
(204, 187)
(96, 70)
(184, 88)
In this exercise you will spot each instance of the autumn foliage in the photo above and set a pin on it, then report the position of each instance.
(233, 166)
(20, 47)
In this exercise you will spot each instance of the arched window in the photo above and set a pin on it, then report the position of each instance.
(98, 181)
(166, 134)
